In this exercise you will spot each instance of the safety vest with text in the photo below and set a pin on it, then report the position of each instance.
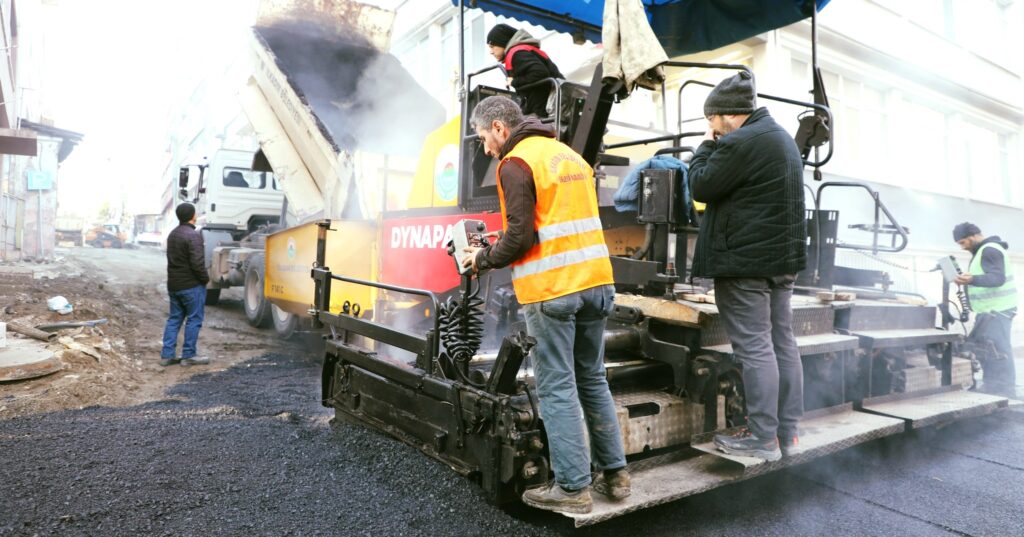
(990, 299)
(570, 253)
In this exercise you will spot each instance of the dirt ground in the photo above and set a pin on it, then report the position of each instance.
(115, 364)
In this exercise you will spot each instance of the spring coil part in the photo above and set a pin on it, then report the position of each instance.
(462, 330)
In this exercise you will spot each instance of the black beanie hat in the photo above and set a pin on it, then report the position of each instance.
(185, 212)
(734, 95)
(500, 35)
(964, 230)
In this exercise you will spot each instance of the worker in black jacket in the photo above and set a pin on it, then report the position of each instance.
(186, 288)
(524, 63)
(751, 241)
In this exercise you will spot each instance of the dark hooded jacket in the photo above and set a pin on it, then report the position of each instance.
(520, 201)
(752, 181)
(529, 67)
(992, 263)
(186, 265)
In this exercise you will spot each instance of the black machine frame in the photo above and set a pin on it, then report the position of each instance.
(481, 417)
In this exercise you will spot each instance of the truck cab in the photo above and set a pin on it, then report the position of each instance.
(229, 195)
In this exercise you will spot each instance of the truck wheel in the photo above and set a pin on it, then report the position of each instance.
(212, 297)
(257, 307)
(284, 323)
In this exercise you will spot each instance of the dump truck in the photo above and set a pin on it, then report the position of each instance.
(69, 230)
(235, 205)
(321, 82)
(440, 360)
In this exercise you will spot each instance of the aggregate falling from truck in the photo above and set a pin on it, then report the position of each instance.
(437, 360)
(336, 117)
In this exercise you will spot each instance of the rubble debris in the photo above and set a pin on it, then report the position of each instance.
(23, 359)
(30, 332)
(53, 327)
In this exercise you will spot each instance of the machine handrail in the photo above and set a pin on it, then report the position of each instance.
(818, 107)
(322, 292)
(879, 207)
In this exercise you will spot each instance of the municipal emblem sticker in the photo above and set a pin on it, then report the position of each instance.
(291, 248)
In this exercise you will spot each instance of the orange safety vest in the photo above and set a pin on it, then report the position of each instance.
(570, 253)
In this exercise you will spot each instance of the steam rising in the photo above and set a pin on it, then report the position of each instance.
(363, 98)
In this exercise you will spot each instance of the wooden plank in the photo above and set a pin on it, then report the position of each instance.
(670, 311)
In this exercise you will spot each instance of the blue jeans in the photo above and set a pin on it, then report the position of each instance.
(568, 364)
(186, 305)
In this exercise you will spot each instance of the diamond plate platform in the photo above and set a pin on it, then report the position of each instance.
(676, 475)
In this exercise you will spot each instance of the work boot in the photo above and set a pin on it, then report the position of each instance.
(552, 497)
(746, 444)
(613, 484)
(164, 362)
(789, 444)
(195, 360)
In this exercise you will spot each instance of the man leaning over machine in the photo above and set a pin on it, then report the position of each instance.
(562, 276)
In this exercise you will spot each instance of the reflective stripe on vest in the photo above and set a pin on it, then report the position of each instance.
(565, 229)
(570, 253)
(990, 299)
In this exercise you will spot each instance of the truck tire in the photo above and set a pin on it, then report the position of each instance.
(257, 307)
(285, 323)
(212, 297)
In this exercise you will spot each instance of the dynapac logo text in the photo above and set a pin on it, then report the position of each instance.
(422, 236)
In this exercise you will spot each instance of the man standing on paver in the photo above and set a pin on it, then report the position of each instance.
(993, 295)
(186, 288)
(752, 242)
(555, 246)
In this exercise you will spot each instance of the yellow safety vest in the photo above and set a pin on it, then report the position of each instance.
(570, 253)
(990, 299)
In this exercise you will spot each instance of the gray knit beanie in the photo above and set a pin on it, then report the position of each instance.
(734, 95)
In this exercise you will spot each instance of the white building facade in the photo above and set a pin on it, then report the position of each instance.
(927, 95)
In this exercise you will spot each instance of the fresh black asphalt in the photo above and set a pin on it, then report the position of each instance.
(249, 451)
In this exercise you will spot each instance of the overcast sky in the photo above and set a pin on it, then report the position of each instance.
(113, 70)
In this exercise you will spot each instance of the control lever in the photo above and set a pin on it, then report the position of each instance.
(466, 233)
(950, 270)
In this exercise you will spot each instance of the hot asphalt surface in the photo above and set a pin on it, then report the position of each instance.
(248, 451)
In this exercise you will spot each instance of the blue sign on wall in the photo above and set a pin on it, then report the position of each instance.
(39, 180)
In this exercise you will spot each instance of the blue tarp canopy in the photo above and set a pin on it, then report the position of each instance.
(682, 26)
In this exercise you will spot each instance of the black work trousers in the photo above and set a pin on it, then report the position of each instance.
(998, 370)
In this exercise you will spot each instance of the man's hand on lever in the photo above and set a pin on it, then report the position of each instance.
(470, 259)
(964, 279)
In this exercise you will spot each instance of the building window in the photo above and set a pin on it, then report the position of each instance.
(986, 173)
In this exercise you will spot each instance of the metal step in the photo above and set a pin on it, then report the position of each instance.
(914, 337)
(676, 475)
(808, 345)
(878, 315)
(945, 404)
